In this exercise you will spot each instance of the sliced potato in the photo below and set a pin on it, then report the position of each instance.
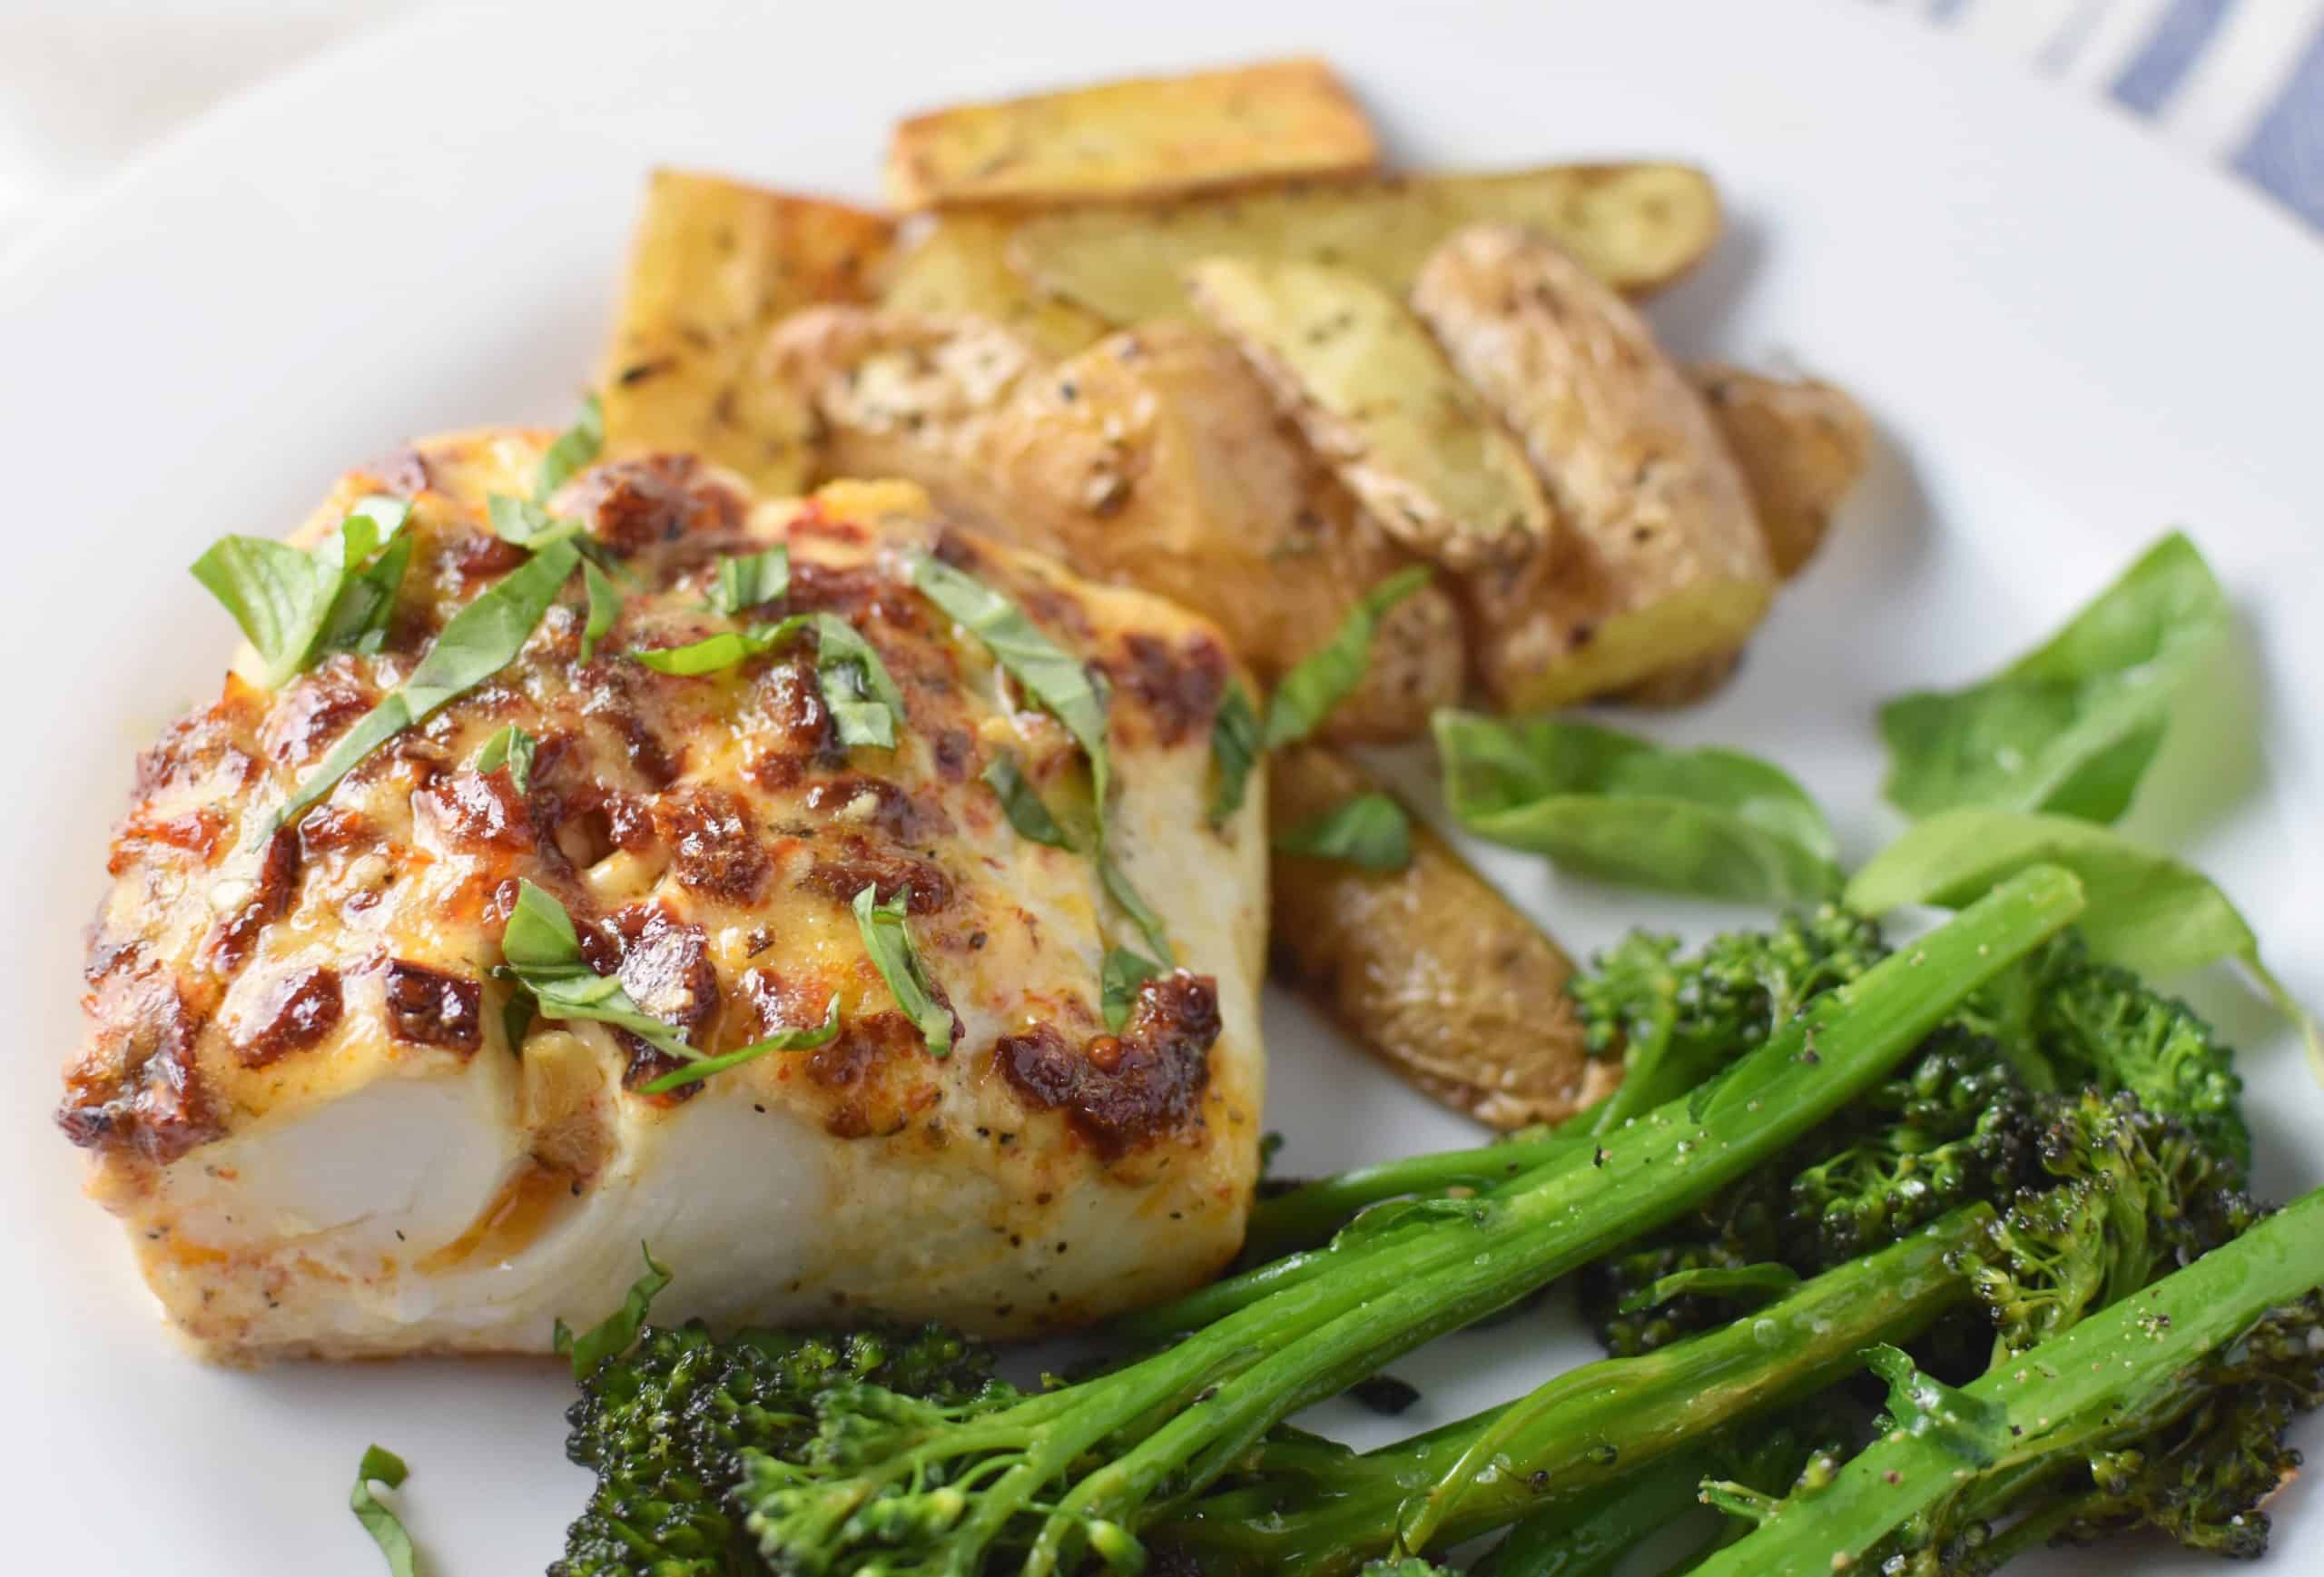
(1374, 395)
(1428, 967)
(713, 264)
(1659, 561)
(1803, 445)
(1637, 226)
(1154, 458)
(1141, 136)
(957, 264)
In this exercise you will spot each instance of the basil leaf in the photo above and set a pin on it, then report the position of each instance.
(1325, 677)
(1050, 673)
(543, 954)
(575, 447)
(527, 524)
(366, 604)
(2071, 726)
(724, 650)
(605, 607)
(1022, 805)
(1234, 746)
(754, 578)
(381, 1465)
(1149, 924)
(617, 1332)
(1371, 831)
(1117, 982)
(800, 1040)
(2146, 911)
(888, 942)
(290, 604)
(485, 635)
(1623, 809)
(858, 691)
(513, 748)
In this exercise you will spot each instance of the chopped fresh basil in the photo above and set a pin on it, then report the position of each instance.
(2071, 726)
(751, 579)
(890, 944)
(724, 650)
(381, 1465)
(1620, 808)
(1149, 924)
(575, 447)
(1370, 830)
(544, 956)
(513, 748)
(1051, 675)
(2147, 912)
(800, 1040)
(617, 1332)
(476, 643)
(605, 607)
(527, 524)
(1022, 804)
(858, 690)
(1117, 982)
(1325, 677)
(293, 605)
(1235, 747)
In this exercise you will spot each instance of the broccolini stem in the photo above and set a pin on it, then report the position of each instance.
(1590, 1537)
(1590, 1426)
(1311, 1341)
(1311, 1212)
(2062, 1397)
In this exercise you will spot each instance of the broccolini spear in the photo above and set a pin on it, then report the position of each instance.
(894, 1483)
(2165, 1409)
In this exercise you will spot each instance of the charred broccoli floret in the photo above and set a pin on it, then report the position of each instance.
(664, 1426)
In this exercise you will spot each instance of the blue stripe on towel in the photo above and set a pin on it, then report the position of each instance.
(2285, 150)
(2177, 42)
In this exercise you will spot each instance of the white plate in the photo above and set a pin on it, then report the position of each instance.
(2070, 340)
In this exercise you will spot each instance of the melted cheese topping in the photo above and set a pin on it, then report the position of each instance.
(299, 1087)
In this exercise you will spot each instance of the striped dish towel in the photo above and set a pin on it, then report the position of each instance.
(2238, 81)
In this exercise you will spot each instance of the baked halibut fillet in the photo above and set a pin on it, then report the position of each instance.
(300, 1088)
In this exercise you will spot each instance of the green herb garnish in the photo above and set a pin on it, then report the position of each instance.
(605, 606)
(513, 748)
(1325, 677)
(724, 650)
(751, 579)
(381, 1465)
(544, 956)
(613, 1336)
(1620, 808)
(294, 605)
(575, 447)
(858, 690)
(1119, 979)
(1117, 883)
(805, 1039)
(889, 942)
(1235, 748)
(527, 524)
(1370, 830)
(1022, 805)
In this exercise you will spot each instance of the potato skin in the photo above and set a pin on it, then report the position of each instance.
(1156, 460)
(1803, 445)
(1658, 558)
(1429, 967)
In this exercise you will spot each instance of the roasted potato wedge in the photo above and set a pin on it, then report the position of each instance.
(1138, 136)
(1659, 560)
(1428, 967)
(1637, 226)
(714, 264)
(1362, 378)
(1154, 458)
(1803, 445)
(957, 264)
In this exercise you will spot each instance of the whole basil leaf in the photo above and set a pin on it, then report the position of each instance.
(804, 1039)
(2071, 726)
(1235, 750)
(1325, 677)
(575, 447)
(1612, 805)
(381, 1465)
(2147, 912)
(889, 941)
(1369, 830)
(1119, 978)
(858, 690)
